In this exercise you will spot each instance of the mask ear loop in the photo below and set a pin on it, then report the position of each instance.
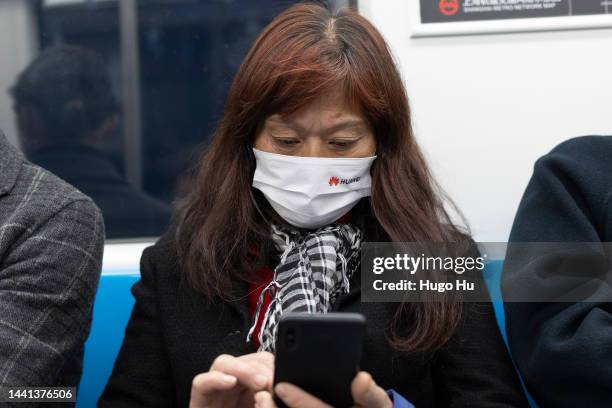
(253, 198)
(264, 216)
(254, 201)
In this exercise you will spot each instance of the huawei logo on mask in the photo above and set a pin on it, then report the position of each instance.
(334, 181)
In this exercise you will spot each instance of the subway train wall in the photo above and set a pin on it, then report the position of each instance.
(486, 107)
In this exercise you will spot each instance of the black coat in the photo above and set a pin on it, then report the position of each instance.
(127, 212)
(564, 350)
(173, 335)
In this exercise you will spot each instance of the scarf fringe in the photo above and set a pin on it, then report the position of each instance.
(348, 242)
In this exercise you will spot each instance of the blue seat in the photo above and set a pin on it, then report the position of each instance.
(492, 276)
(111, 313)
(113, 306)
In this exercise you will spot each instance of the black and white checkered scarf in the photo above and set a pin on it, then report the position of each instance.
(312, 271)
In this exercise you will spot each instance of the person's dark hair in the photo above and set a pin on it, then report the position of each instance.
(304, 52)
(67, 91)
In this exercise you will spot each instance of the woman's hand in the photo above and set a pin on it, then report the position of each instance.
(366, 394)
(233, 381)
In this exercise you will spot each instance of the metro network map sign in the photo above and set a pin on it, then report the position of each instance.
(446, 11)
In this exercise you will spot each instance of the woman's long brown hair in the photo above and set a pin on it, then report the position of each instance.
(304, 52)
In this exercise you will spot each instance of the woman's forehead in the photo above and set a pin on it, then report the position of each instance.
(330, 108)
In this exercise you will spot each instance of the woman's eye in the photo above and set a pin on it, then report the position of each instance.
(286, 142)
(343, 144)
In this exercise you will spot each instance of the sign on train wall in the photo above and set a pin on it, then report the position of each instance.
(444, 11)
(511, 15)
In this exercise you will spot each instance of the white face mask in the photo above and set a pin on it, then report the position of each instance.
(310, 192)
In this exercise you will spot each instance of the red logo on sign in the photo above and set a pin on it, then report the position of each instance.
(334, 181)
(449, 7)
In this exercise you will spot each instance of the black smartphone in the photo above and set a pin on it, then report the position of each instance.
(320, 353)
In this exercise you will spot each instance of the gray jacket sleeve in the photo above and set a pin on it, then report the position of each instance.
(48, 280)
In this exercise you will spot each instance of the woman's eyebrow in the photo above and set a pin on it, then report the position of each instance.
(344, 124)
(350, 123)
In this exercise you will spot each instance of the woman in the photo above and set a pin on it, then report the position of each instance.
(316, 121)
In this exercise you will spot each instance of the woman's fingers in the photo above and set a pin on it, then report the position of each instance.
(263, 399)
(206, 384)
(251, 373)
(295, 397)
(232, 378)
(367, 394)
(262, 357)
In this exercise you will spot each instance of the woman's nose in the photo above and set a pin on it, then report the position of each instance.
(313, 148)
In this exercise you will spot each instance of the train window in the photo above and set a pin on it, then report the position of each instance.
(119, 97)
